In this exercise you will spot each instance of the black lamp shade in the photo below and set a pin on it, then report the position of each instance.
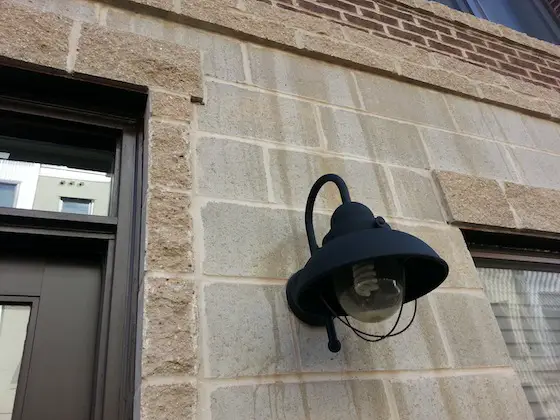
(423, 269)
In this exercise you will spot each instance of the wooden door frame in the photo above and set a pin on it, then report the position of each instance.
(121, 235)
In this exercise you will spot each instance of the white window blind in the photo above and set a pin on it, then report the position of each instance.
(527, 308)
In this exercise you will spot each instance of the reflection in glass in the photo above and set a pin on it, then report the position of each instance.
(46, 176)
(13, 329)
(527, 308)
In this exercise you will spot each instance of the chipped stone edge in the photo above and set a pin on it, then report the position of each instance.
(519, 225)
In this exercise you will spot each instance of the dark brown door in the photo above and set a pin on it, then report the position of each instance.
(62, 299)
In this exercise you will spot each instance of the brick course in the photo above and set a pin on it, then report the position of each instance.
(408, 24)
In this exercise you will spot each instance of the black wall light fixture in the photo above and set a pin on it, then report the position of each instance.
(364, 270)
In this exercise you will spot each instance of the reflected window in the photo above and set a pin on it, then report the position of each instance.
(50, 165)
(13, 330)
(7, 194)
(76, 205)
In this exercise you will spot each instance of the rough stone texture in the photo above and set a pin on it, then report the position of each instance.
(295, 20)
(438, 77)
(160, 4)
(347, 52)
(389, 47)
(467, 69)
(294, 173)
(172, 401)
(169, 235)
(313, 400)
(468, 397)
(138, 60)
(416, 195)
(378, 139)
(221, 56)
(39, 38)
(536, 208)
(537, 168)
(545, 134)
(241, 112)
(169, 161)
(393, 353)
(165, 105)
(222, 13)
(403, 101)
(255, 241)
(230, 169)
(474, 200)
(458, 153)
(248, 331)
(449, 243)
(510, 97)
(471, 330)
(275, 70)
(170, 327)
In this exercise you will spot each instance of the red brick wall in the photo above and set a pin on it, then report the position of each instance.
(419, 28)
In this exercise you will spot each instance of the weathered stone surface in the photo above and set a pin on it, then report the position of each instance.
(449, 243)
(545, 134)
(391, 354)
(138, 60)
(169, 232)
(221, 56)
(471, 330)
(121, 20)
(403, 101)
(416, 194)
(536, 208)
(230, 169)
(275, 70)
(390, 47)
(512, 129)
(169, 161)
(256, 241)
(474, 200)
(473, 118)
(27, 35)
(170, 327)
(223, 14)
(538, 169)
(249, 331)
(438, 77)
(264, 402)
(160, 4)
(241, 112)
(165, 105)
(468, 397)
(313, 400)
(294, 173)
(510, 97)
(466, 69)
(468, 155)
(348, 52)
(378, 139)
(172, 401)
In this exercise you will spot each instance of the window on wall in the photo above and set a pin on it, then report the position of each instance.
(521, 277)
(76, 205)
(530, 16)
(7, 194)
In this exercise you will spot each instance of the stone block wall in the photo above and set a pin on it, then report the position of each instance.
(228, 180)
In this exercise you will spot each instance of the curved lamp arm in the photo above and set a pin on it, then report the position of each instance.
(344, 195)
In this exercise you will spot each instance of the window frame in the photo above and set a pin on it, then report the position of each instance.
(120, 236)
(476, 8)
(87, 201)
